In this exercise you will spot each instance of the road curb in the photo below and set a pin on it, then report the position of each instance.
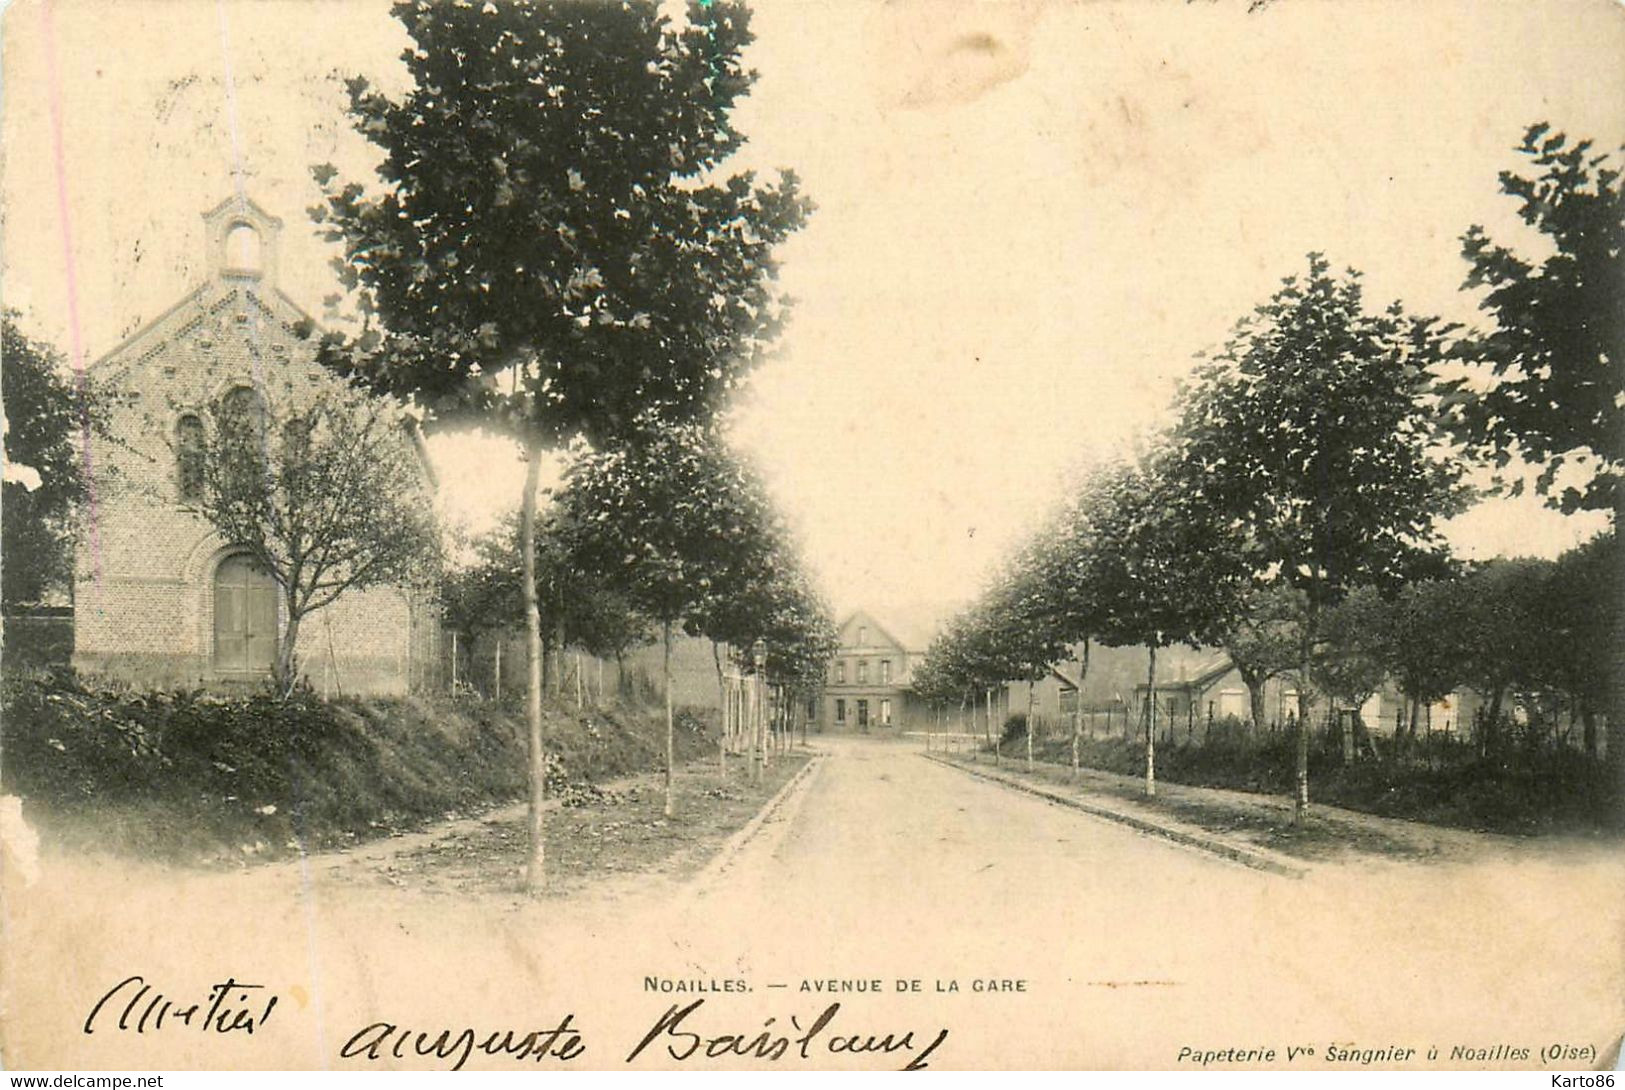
(725, 856)
(1213, 845)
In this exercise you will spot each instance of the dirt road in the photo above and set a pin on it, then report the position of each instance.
(1037, 936)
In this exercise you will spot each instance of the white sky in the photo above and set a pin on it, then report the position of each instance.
(1030, 214)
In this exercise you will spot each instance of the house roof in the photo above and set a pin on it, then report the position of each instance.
(1063, 677)
(911, 627)
(1204, 676)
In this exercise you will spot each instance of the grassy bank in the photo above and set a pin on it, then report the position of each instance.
(198, 777)
(1528, 790)
(617, 836)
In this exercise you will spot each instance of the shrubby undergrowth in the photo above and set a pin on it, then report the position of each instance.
(1528, 787)
(193, 775)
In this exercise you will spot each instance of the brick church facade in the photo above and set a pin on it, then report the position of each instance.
(159, 598)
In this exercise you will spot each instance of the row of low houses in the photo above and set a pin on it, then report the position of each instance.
(1198, 692)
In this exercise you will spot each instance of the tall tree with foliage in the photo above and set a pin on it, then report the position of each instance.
(47, 420)
(1263, 641)
(1020, 615)
(1153, 578)
(659, 520)
(1060, 562)
(1351, 658)
(1576, 617)
(800, 634)
(1308, 437)
(556, 249)
(1497, 618)
(327, 494)
(1422, 645)
(1555, 358)
(576, 607)
(1552, 368)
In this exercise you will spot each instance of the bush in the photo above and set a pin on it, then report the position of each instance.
(189, 774)
(1015, 728)
(1527, 787)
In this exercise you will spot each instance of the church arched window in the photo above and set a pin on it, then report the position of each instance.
(242, 421)
(295, 441)
(242, 412)
(189, 455)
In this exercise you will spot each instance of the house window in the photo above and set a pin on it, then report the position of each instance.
(812, 709)
(863, 713)
(863, 636)
(840, 710)
(840, 672)
(863, 671)
(885, 713)
(885, 671)
(189, 455)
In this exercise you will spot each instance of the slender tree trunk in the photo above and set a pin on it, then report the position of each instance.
(1077, 708)
(1151, 721)
(497, 679)
(997, 735)
(287, 656)
(1614, 736)
(758, 712)
(535, 873)
(1032, 694)
(963, 728)
(671, 736)
(1492, 724)
(1306, 650)
(558, 649)
(546, 659)
(722, 708)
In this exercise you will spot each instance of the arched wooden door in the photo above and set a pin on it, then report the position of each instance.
(244, 617)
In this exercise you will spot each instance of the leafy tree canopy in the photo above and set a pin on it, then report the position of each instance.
(326, 493)
(1308, 439)
(1556, 357)
(555, 251)
(46, 418)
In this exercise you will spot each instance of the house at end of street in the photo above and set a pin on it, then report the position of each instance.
(867, 689)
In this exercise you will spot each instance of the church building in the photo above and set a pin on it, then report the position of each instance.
(159, 598)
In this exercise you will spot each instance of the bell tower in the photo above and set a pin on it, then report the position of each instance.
(242, 241)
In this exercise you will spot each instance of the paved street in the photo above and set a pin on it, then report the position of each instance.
(1131, 943)
(886, 867)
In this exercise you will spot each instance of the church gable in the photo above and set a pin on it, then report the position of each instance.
(236, 329)
(238, 315)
